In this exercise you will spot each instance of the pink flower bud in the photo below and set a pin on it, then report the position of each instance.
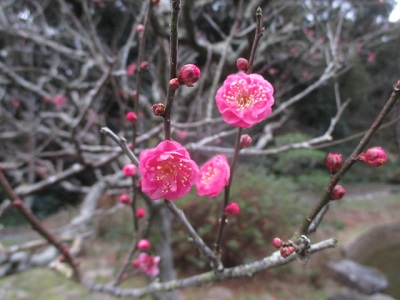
(232, 209)
(334, 162)
(134, 94)
(124, 199)
(131, 117)
(140, 213)
(245, 141)
(242, 63)
(140, 28)
(374, 157)
(158, 109)
(182, 134)
(277, 243)
(129, 170)
(189, 74)
(144, 65)
(338, 192)
(286, 251)
(143, 245)
(174, 83)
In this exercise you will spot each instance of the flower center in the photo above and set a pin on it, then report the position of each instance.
(171, 172)
(208, 175)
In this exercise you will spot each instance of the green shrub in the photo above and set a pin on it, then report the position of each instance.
(265, 203)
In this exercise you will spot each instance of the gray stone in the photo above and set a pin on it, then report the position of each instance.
(353, 296)
(364, 279)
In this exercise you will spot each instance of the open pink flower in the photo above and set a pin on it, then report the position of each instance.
(244, 100)
(147, 264)
(214, 176)
(167, 171)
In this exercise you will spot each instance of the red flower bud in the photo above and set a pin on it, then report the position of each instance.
(143, 245)
(245, 141)
(286, 251)
(174, 83)
(158, 109)
(17, 203)
(277, 243)
(232, 209)
(140, 213)
(189, 74)
(155, 2)
(131, 117)
(129, 170)
(334, 162)
(338, 192)
(374, 157)
(124, 199)
(242, 63)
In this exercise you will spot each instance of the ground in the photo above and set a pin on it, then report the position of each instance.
(363, 206)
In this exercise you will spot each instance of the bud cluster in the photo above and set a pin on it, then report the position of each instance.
(285, 249)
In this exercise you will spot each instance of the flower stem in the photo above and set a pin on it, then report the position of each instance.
(175, 4)
(142, 43)
(259, 33)
(222, 221)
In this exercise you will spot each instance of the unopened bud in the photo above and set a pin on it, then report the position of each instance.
(143, 245)
(374, 157)
(232, 209)
(17, 203)
(338, 192)
(129, 170)
(158, 109)
(131, 117)
(189, 74)
(286, 251)
(155, 2)
(140, 213)
(174, 83)
(134, 94)
(140, 28)
(144, 65)
(242, 63)
(245, 141)
(277, 243)
(334, 162)
(124, 199)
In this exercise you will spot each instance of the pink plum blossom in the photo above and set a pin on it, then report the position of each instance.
(130, 69)
(214, 176)
(244, 100)
(371, 56)
(147, 264)
(59, 101)
(167, 171)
